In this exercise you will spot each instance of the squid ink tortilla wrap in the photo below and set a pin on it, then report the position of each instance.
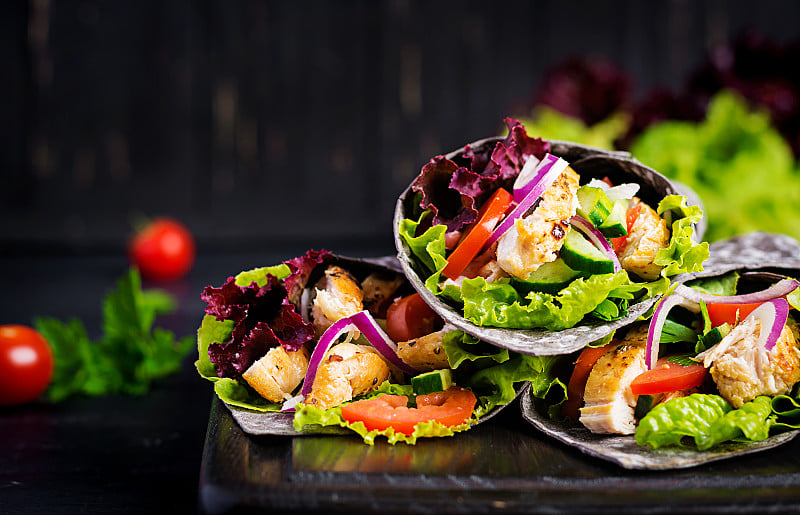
(713, 375)
(324, 344)
(541, 247)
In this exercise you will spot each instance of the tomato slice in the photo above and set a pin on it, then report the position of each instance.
(410, 317)
(726, 313)
(630, 218)
(668, 377)
(450, 408)
(492, 211)
(577, 381)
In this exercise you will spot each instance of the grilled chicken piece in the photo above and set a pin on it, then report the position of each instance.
(536, 239)
(278, 373)
(338, 295)
(378, 291)
(424, 353)
(648, 235)
(349, 370)
(609, 403)
(743, 370)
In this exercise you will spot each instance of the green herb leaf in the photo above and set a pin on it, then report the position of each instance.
(130, 353)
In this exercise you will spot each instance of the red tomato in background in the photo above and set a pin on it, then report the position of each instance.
(163, 251)
(26, 364)
(410, 317)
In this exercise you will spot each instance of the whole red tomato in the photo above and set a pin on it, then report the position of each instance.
(410, 317)
(26, 364)
(163, 251)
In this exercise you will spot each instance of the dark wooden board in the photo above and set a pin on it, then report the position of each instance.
(504, 466)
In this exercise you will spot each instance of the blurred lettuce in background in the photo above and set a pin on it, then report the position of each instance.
(732, 134)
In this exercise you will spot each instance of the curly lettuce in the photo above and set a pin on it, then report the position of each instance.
(682, 254)
(707, 419)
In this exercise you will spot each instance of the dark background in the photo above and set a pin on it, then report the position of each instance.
(277, 125)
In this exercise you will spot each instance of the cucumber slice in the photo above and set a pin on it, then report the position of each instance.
(579, 254)
(616, 225)
(431, 382)
(594, 205)
(715, 335)
(549, 278)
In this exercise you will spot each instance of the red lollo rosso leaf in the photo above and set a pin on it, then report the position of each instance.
(449, 206)
(263, 318)
(301, 268)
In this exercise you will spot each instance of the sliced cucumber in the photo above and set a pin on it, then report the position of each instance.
(594, 205)
(431, 382)
(549, 278)
(715, 335)
(615, 225)
(579, 254)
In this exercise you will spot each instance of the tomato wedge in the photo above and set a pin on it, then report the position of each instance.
(410, 317)
(577, 381)
(668, 377)
(630, 218)
(450, 408)
(726, 313)
(492, 211)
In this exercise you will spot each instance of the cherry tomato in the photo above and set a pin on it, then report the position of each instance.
(163, 251)
(668, 377)
(620, 243)
(492, 211)
(26, 364)
(726, 313)
(580, 374)
(410, 317)
(450, 408)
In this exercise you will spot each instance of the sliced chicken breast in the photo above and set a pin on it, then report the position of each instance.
(609, 404)
(536, 238)
(276, 375)
(648, 235)
(425, 353)
(337, 295)
(743, 370)
(349, 370)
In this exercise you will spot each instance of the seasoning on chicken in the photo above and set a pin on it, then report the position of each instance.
(609, 404)
(378, 290)
(337, 295)
(648, 235)
(349, 370)
(425, 353)
(536, 239)
(743, 370)
(278, 373)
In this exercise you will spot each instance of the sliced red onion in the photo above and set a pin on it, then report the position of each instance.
(597, 239)
(552, 166)
(772, 316)
(779, 289)
(324, 344)
(657, 325)
(366, 325)
(531, 172)
(290, 404)
(375, 334)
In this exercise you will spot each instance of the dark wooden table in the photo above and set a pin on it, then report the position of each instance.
(177, 450)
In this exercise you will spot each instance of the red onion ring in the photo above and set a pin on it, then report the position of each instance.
(552, 167)
(779, 289)
(597, 239)
(657, 326)
(366, 325)
(531, 173)
(771, 315)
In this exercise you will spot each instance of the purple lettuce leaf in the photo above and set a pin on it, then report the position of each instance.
(263, 318)
(301, 268)
(448, 205)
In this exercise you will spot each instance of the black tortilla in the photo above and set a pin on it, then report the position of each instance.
(281, 424)
(754, 252)
(587, 162)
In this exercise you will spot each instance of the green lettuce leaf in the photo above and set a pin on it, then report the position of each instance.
(682, 254)
(725, 159)
(498, 304)
(708, 419)
(428, 248)
(549, 123)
